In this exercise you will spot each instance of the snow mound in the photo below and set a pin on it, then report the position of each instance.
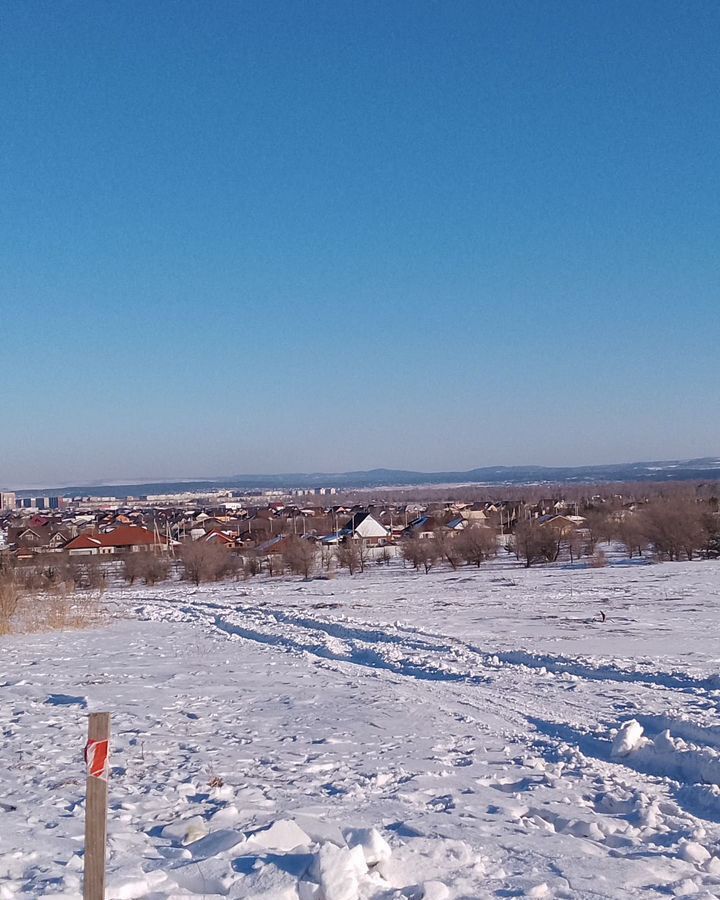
(282, 835)
(335, 870)
(693, 852)
(627, 738)
(373, 845)
(667, 756)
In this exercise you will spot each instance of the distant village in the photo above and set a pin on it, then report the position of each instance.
(84, 526)
(308, 532)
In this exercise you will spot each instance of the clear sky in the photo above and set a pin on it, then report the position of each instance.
(283, 236)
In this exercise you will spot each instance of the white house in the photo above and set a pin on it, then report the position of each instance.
(364, 526)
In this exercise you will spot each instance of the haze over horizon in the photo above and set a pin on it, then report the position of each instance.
(336, 236)
(697, 468)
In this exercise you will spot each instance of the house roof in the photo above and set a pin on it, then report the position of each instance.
(457, 523)
(38, 536)
(128, 536)
(83, 542)
(364, 525)
(39, 520)
(356, 520)
(123, 536)
(217, 537)
(421, 524)
(275, 544)
(554, 519)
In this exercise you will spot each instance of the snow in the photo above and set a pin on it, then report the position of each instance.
(694, 852)
(282, 835)
(465, 734)
(627, 738)
(336, 872)
(373, 846)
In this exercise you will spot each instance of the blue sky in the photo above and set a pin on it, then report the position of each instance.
(257, 237)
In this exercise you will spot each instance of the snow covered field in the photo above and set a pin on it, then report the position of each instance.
(263, 728)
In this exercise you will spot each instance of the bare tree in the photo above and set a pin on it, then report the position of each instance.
(429, 554)
(631, 534)
(446, 545)
(551, 540)
(384, 557)
(55, 569)
(8, 563)
(476, 544)
(274, 563)
(153, 567)
(203, 561)
(348, 556)
(599, 526)
(326, 556)
(299, 556)
(363, 552)
(89, 572)
(674, 527)
(131, 567)
(251, 564)
(420, 552)
(575, 544)
(411, 551)
(536, 543)
(711, 529)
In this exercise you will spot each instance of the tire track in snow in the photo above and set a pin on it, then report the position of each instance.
(408, 640)
(443, 664)
(413, 654)
(358, 652)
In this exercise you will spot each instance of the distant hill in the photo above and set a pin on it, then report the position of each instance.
(703, 469)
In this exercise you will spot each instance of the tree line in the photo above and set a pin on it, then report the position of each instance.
(671, 526)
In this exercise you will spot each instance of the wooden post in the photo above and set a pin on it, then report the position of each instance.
(97, 755)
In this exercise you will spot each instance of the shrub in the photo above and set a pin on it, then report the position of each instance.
(9, 597)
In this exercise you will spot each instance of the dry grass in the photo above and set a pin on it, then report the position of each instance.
(9, 600)
(58, 607)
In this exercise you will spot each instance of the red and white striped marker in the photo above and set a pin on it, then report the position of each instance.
(96, 759)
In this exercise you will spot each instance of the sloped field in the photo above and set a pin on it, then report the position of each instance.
(263, 730)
